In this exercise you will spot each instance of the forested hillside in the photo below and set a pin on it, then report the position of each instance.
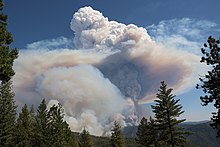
(202, 134)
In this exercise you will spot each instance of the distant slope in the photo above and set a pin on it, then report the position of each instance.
(203, 135)
(195, 122)
(105, 142)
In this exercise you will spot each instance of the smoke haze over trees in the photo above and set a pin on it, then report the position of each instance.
(120, 59)
(104, 78)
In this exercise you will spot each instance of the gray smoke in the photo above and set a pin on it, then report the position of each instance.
(113, 69)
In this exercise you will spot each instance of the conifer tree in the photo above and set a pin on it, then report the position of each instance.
(7, 55)
(147, 134)
(210, 83)
(52, 130)
(41, 124)
(85, 140)
(166, 112)
(7, 106)
(54, 126)
(33, 126)
(32, 115)
(25, 128)
(7, 114)
(58, 131)
(117, 138)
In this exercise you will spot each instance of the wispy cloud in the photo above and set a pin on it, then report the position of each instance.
(60, 42)
(184, 34)
(192, 29)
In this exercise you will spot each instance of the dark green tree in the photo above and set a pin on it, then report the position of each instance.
(32, 115)
(24, 134)
(117, 138)
(7, 55)
(147, 133)
(85, 140)
(51, 129)
(7, 106)
(166, 111)
(210, 83)
(33, 126)
(41, 125)
(58, 131)
(7, 114)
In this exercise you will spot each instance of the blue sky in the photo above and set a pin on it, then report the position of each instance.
(32, 21)
(50, 19)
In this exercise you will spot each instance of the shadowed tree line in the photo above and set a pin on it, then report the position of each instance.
(43, 129)
(46, 128)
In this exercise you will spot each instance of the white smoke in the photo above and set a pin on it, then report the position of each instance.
(93, 30)
(84, 93)
(112, 69)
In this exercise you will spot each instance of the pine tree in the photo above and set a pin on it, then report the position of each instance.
(7, 105)
(7, 114)
(58, 131)
(52, 130)
(70, 138)
(7, 55)
(85, 139)
(166, 110)
(41, 124)
(117, 138)
(25, 128)
(147, 134)
(32, 115)
(211, 81)
(54, 126)
(33, 126)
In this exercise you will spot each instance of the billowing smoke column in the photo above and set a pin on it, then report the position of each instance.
(113, 69)
(93, 30)
(140, 64)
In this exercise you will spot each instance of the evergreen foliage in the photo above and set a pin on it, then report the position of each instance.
(7, 55)
(85, 140)
(147, 133)
(41, 124)
(7, 114)
(7, 104)
(58, 131)
(210, 83)
(117, 138)
(25, 132)
(166, 110)
(33, 122)
(44, 128)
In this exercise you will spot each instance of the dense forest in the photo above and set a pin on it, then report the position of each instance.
(46, 127)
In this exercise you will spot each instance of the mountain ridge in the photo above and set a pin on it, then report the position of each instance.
(203, 134)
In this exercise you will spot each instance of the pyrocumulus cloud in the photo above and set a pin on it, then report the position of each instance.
(112, 70)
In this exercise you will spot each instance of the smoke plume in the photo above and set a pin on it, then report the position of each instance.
(113, 69)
